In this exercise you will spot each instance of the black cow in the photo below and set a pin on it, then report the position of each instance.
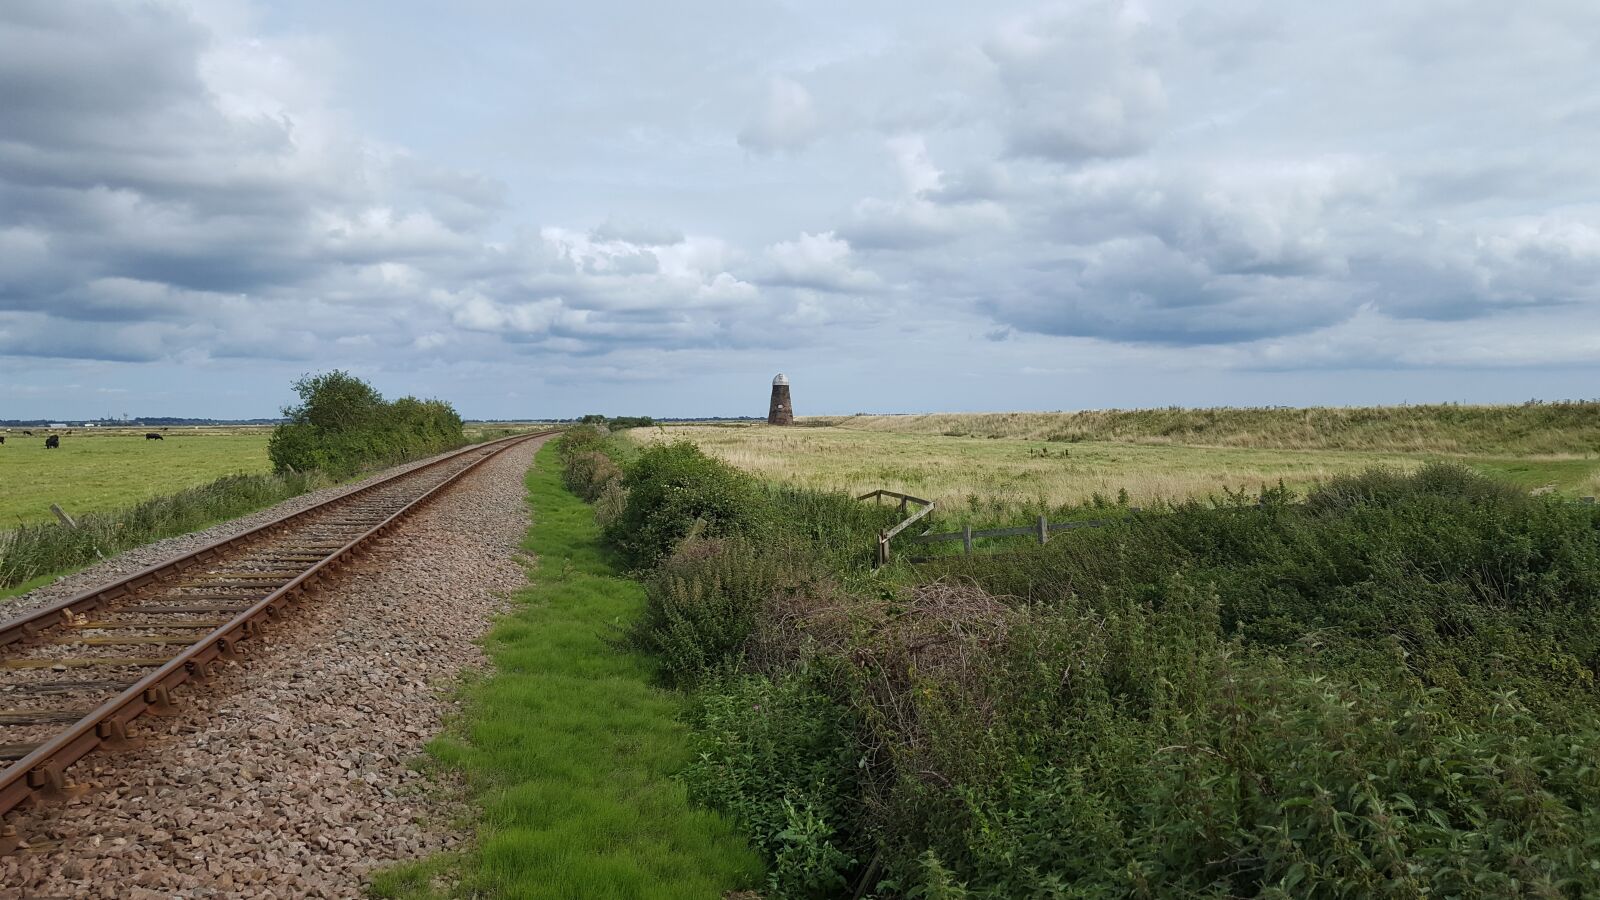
(29, 433)
(2, 439)
(152, 436)
(52, 442)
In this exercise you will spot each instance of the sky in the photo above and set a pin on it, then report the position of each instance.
(645, 208)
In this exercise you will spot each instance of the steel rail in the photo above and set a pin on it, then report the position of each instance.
(50, 615)
(42, 773)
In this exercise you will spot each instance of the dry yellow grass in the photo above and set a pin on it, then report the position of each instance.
(997, 478)
(1560, 429)
(969, 473)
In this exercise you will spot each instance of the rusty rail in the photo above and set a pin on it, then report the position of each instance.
(41, 773)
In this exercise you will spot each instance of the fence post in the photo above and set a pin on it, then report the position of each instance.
(902, 506)
(62, 515)
(966, 538)
(1044, 530)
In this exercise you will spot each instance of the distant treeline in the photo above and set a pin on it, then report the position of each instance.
(342, 425)
(617, 423)
(1561, 427)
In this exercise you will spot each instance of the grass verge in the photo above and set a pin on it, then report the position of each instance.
(569, 751)
(33, 552)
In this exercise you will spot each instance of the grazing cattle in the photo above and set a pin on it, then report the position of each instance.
(29, 433)
(2, 439)
(152, 436)
(52, 442)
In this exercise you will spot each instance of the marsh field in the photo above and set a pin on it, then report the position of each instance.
(991, 467)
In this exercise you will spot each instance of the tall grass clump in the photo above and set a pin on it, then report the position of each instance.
(34, 551)
(342, 425)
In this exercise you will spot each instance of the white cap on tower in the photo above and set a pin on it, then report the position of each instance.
(781, 379)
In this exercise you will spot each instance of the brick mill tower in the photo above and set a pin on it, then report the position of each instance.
(781, 410)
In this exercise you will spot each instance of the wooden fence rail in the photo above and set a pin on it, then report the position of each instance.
(880, 555)
(1042, 529)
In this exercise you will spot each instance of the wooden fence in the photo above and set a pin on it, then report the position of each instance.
(1041, 529)
(880, 555)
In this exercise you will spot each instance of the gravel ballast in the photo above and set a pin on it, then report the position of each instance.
(289, 775)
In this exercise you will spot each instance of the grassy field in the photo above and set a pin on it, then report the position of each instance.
(570, 749)
(98, 469)
(1564, 428)
(986, 479)
(107, 468)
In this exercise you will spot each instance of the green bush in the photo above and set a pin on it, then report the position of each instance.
(588, 473)
(702, 602)
(583, 439)
(1380, 692)
(781, 758)
(342, 425)
(673, 490)
(610, 505)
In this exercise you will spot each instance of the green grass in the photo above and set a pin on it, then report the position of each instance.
(568, 748)
(43, 549)
(102, 470)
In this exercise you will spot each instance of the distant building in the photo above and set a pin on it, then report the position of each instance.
(58, 425)
(781, 410)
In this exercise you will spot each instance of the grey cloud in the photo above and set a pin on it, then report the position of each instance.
(643, 234)
(786, 121)
(1082, 82)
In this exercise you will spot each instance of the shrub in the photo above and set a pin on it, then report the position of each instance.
(611, 503)
(780, 757)
(582, 439)
(675, 488)
(588, 473)
(343, 425)
(701, 604)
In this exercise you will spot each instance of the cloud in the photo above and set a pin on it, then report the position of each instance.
(818, 261)
(643, 234)
(1082, 83)
(786, 122)
(924, 213)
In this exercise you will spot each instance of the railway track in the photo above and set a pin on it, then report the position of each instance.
(74, 675)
